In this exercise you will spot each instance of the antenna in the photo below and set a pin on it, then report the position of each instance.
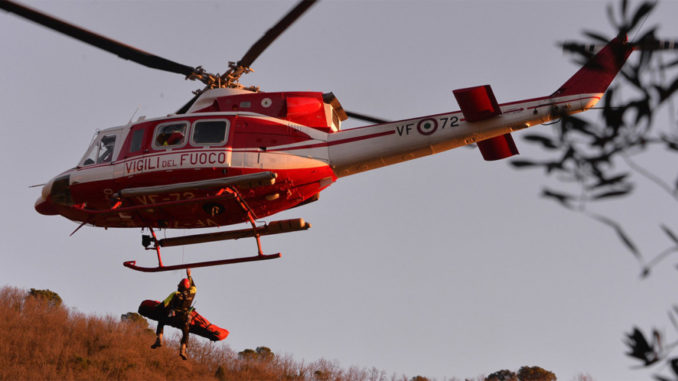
(131, 118)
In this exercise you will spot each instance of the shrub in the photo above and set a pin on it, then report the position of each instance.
(134, 318)
(502, 375)
(535, 373)
(49, 296)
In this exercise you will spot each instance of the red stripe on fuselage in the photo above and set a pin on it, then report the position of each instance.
(336, 142)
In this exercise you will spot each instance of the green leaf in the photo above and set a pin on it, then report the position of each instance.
(596, 36)
(522, 163)
(610, 194)
(545, 141)
(666, 92)
(563, 198)
(602, 182)
(620, 233)
(642, 11)
(669, 233)
(670, 143)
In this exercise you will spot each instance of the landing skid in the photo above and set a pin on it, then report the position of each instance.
(275, 227)
(132, 264)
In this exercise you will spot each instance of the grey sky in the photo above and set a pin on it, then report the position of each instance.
(443, 266)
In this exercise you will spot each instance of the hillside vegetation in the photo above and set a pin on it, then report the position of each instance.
(41, 339)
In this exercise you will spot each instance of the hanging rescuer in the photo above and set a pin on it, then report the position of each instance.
(177, 310)
(177, 307)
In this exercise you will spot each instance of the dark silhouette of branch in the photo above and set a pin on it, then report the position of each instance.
(651, 176)
(594, 162)
(588, 154)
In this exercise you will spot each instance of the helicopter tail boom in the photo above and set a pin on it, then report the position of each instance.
(481, 120)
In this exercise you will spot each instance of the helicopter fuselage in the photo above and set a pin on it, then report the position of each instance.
(166, 172)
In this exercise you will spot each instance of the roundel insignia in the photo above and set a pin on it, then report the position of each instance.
(427, 126)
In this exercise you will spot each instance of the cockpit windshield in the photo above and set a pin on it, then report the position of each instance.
(102, 149)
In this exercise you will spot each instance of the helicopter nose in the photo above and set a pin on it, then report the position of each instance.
(56, 192)
(43, 206)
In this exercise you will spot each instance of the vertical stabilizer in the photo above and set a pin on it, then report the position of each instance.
(599, 71)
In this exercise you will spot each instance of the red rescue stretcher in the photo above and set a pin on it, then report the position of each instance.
(199, 325)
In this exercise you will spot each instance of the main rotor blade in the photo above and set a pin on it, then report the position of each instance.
(274, 32)
(364, 117)
(125, 51)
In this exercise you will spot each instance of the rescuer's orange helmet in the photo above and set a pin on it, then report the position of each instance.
(185, 284)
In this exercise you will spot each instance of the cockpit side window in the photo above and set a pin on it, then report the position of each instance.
(170, 135)
(101, 151)
(106, 146)
(91, 155)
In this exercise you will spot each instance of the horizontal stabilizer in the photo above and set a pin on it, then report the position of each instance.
(497, 148)
(477, 103)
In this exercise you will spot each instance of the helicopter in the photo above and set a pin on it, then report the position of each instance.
(235, 154)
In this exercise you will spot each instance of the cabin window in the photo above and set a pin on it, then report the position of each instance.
(106, 147)
(210, 132)
(137, 140)
(170, 135)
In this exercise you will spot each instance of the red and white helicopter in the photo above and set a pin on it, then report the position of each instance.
(234, 154)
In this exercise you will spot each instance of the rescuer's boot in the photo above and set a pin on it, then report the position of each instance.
(182, 352)
(158, 341)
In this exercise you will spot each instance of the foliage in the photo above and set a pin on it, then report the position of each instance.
(48, 296)
(652, 349)
(43, 340)
(46, 341)
(525, 373)
(595, 163)
(259, 354)
(134, 318)
(502, 375)
(535, 373)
